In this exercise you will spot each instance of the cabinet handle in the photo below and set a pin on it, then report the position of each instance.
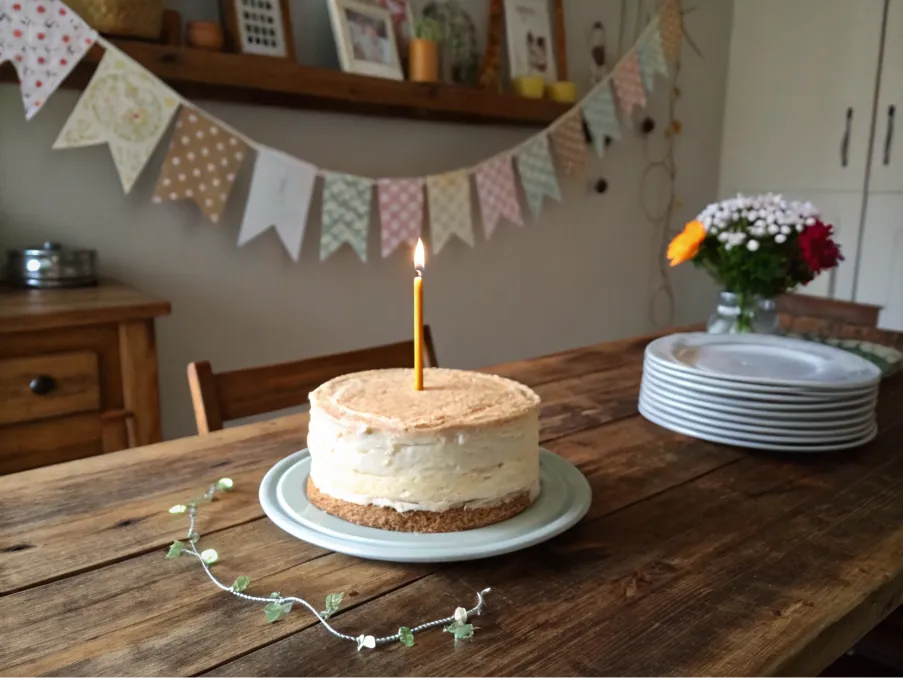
(889, 138)
(42, 385)
(845, 142)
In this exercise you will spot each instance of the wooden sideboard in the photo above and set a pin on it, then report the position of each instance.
(78, 373)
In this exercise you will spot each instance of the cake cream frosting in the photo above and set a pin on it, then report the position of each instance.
(463, 452)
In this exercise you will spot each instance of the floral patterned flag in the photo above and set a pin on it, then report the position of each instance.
(498, 194)
(449, 196)
(569, 144)
(537, 173)
(629, 85)
(124, 106)
(346, 214)
(201, 164)
(601, 117)
(671, 27)
(651, 56)
(400, 212)
(280, 198)
(44, 40)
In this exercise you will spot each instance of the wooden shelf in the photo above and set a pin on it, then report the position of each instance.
(197, 74)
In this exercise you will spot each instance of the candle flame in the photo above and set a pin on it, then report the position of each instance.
(419, 255)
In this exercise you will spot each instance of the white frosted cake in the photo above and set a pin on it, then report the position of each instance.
(460, 454)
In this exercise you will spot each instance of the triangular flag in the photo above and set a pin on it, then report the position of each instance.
(537, 173)
(449, 196)
(201, 164)
(569, 144)
(124, 106)
(601, 117)
(400, 212)
(671, 27)
(346, 214)
(628, 84)
(652, 58)
(497, 193)
(279, 197)
(44, 40)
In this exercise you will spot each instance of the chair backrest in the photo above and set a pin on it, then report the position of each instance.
(804, 313)
(224, 396)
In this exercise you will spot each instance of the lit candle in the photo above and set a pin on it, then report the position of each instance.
(418, 315)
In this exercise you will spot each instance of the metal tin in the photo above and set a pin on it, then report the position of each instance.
(51, 265)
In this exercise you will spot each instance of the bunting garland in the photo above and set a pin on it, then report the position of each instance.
(129, 109)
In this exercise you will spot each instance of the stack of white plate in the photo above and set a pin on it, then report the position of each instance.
(760, 391)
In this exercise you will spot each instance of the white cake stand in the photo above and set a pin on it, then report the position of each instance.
(564, 499)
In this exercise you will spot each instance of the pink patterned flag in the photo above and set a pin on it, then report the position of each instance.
(498, 194)
(671, 27)
(400, 212)
(629, 84)
(569, 144)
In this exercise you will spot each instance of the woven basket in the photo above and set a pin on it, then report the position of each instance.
(129, 18)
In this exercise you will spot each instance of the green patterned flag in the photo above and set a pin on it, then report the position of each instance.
(601, 117)
(449, 201)
(652, 56)
(346, 214)
(537, 173)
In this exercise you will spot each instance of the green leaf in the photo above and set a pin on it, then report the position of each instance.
(286, 607)
(405, 637)
(175, 549)
(463, 631)
(178, 508)
(209, 556)
(241, 583)
(333, 600)
(275, 594)
(225, 484)
(273, 612)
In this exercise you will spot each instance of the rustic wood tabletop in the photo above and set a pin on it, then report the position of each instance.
(695, 558)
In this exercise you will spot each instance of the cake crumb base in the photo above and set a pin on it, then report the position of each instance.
(385, 518)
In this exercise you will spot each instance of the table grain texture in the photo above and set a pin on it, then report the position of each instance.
(694, 558)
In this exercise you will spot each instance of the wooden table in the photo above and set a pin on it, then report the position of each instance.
(694, 558)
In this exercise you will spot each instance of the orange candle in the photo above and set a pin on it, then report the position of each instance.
(418, 315)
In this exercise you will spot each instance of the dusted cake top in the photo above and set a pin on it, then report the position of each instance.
(450, 399)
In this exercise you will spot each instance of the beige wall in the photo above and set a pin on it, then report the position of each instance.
(582, 273)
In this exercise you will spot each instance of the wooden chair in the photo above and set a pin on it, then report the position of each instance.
(804, 313)
(222, 397)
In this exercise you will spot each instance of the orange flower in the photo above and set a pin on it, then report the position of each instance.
(685, 245)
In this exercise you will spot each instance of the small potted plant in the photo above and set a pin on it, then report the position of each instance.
(424, 50)
(756, 248)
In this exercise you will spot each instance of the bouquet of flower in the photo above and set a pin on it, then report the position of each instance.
(758, 246)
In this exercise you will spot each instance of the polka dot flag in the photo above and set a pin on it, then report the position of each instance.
(201, 164)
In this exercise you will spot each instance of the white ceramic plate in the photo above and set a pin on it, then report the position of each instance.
(564, 499)
(740, 439)
(819, 432)
(736, 403)
(778, 418)
(764, 359)
(671, 425)
(742, 387)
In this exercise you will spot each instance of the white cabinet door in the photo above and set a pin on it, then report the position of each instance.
(887, 154)
(880, 279)
(800, 94)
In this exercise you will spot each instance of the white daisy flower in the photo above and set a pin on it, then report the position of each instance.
(780, 238)
(752, 245)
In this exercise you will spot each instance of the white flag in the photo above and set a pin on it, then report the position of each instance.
(124, 106)
(280, 197)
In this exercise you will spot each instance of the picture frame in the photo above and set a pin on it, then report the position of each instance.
(534, 38)
(402, 21)
(260, 27)
(365, 39)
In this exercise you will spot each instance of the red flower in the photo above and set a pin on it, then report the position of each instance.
(819, 250)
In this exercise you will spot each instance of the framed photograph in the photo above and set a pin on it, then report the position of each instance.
(259, 27)
(531, 39)
(365, 39)
(402, 22)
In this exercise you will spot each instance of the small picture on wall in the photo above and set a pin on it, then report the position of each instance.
(530, 45)
(365, 38)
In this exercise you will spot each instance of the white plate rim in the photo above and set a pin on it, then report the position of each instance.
(580, 501)
(661, 349)
(740, 442)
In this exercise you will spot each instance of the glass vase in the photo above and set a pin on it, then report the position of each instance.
(743, 313)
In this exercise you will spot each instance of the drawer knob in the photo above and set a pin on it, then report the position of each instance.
(42, 385)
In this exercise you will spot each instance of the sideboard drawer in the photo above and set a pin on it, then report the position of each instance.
(49, 385)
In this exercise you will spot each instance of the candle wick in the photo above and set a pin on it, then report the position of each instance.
(419, 272)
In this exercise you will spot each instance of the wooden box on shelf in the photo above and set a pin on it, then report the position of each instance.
(78, 373)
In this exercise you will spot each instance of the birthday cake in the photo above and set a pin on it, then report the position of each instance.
(462, 453)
